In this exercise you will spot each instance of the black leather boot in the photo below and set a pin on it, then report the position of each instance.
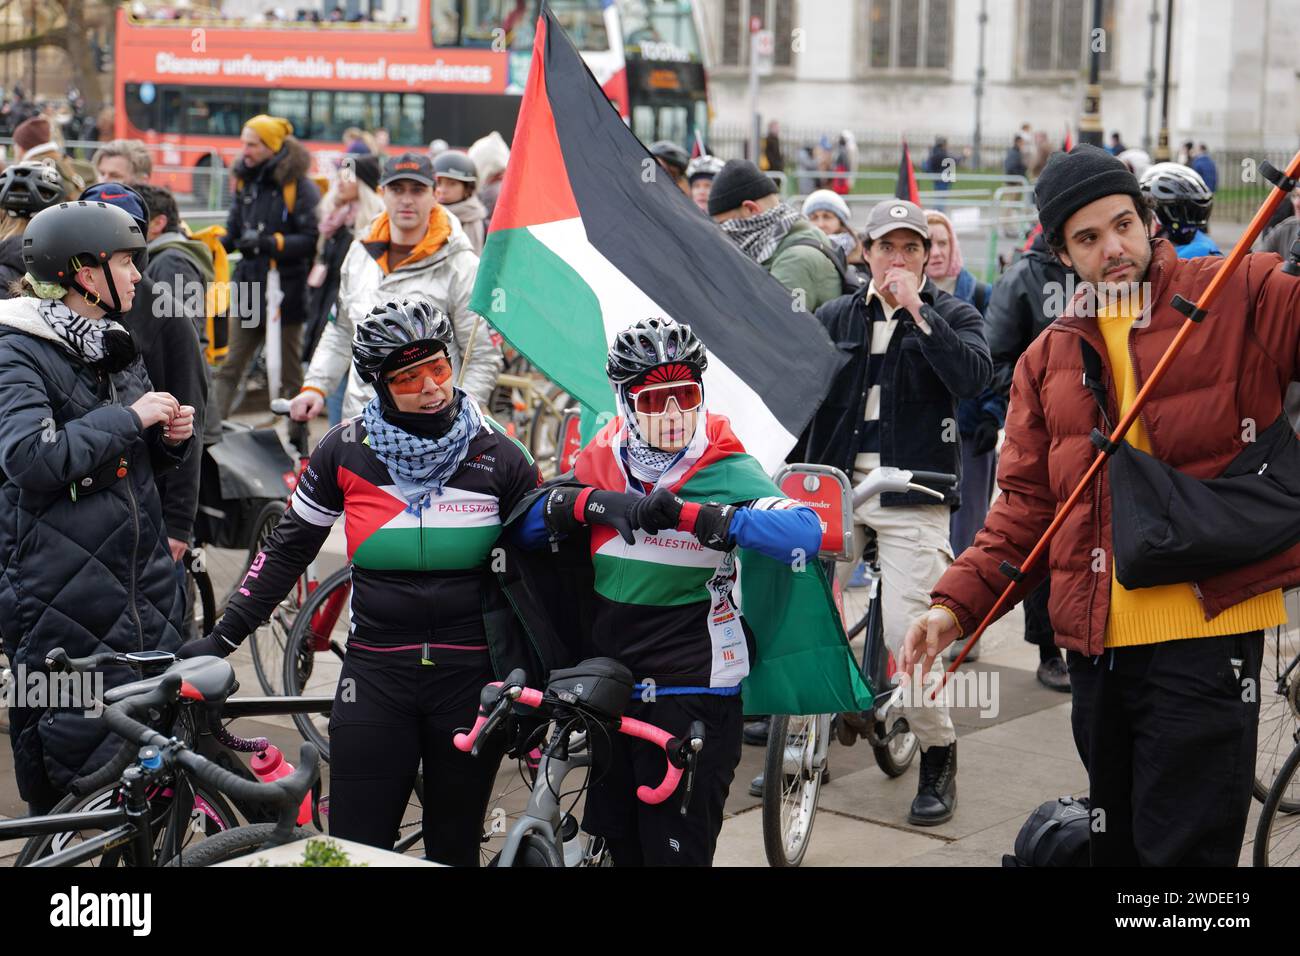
(936, 795)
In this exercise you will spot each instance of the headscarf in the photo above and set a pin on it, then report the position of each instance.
(933, 216)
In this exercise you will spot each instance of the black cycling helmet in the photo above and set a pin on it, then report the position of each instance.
(1180, 197)
(454, 164)
(672, 154)
(396, 334)
(651, 343)
(27, 188)
(63, 238)
(703, 167)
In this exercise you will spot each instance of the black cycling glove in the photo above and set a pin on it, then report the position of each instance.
(711, 525)
(660, 510)
(209, 646)
(566, 508)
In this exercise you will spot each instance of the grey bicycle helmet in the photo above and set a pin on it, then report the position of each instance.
(454, 164)
(1181, 199)
(651, 343)
(396, 334)
(703, 167)
(27, 188)
(61, 239)
(670, 153)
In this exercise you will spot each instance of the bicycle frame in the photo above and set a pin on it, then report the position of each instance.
(127, 824)
(543, 814)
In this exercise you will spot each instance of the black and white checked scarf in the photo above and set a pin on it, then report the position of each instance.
(425, 462)
(82, 336)
(758, 236)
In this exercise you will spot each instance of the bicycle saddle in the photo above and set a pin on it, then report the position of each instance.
(209, 679)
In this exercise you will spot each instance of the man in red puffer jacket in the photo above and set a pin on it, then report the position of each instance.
(1164, 679)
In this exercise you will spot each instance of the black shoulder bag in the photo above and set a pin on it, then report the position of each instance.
(1168, 528)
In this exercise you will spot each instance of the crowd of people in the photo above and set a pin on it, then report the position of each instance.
(375, 262)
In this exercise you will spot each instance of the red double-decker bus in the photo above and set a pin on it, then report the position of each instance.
(186, 87)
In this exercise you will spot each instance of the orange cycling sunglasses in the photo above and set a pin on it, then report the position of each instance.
(411, 380)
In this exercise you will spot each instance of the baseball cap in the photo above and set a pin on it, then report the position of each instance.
(124, 198)
(414, 166)
(896, 214)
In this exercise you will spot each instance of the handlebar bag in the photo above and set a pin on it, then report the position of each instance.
(599, 684)
(1169, 528)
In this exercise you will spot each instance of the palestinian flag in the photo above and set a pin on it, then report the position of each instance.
(803, 664)
(589, 237)
(905, 186)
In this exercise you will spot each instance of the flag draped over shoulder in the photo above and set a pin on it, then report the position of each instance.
(803, 664)
(590, 236)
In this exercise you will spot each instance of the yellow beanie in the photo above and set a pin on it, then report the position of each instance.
(271, 130)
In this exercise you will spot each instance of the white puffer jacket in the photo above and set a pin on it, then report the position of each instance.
(445, 279)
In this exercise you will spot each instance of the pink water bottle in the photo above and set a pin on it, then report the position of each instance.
(270, 765)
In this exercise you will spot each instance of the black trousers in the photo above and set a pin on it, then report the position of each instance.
(391, 712)
(1167, 733)
(638, 834)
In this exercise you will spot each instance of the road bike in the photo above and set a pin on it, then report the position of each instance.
(545, 834)
(797, 758)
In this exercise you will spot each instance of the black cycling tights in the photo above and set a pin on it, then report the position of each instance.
(391, 712)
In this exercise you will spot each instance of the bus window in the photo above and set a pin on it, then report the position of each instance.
(356, 109)
(660, 30)
(290, 104)
(672, 123)
(643, 123)
(322, 117)
(482, 23)
(584, 22)
(170, 110)
(139, 113)
(404, 118)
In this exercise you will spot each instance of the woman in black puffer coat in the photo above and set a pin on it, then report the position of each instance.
(84, 562)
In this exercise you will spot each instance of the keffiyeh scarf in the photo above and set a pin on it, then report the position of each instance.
(422, 463)
(758, 236)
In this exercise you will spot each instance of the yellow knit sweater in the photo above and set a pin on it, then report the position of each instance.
(1168, 612)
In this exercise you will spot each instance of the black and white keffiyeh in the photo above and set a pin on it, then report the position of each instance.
(103, 343)
(424, 463)
(758, 236)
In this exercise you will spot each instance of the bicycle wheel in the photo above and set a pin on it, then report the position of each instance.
(1279, 703)
(511, 792)
(314, 649)
(233, 844)
(268, 642)
(792, 780)
(210, 816)
(1277, 836)
(548, 414)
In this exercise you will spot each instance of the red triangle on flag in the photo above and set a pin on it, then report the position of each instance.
(905, 187)
(536, 148)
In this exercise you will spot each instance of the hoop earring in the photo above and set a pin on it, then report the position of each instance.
(95, 301)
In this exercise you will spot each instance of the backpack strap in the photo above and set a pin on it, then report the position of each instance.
(1092, 381)
(845, 282)
(980, 297)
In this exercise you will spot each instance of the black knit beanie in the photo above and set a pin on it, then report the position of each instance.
(1071, 180)
(737, 181)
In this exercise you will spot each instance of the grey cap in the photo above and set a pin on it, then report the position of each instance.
(896, 214)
